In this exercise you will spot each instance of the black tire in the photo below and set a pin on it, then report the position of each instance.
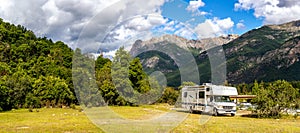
(232, 114)
(191, 110)
(215, 112)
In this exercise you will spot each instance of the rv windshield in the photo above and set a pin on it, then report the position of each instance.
(222, 99)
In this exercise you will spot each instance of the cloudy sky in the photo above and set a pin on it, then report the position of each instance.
(108, 24)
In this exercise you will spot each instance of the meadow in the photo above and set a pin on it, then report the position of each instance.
(73, 121)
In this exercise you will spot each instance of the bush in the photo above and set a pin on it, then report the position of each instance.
(73, 106)
(274, 97)
(169, 96)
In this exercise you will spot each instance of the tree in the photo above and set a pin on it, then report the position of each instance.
(85, 86)
(5, 102)
(24, 59)
(100, 62)
(106, 86)
(170, 96)
(273, 98)
(255, 88)
(138, 77)
(120, 75)
(53, 90)
(131, 82)
(186, 83)
(19, 84)
(4, 69)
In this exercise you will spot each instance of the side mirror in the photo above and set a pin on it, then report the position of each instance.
(211, 99)
(207, 89)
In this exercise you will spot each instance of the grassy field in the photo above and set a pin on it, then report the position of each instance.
(70, 120)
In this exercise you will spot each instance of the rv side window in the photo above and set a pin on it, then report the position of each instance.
(201, 94)
(185, 94)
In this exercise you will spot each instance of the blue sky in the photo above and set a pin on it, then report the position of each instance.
(225, 8)
(214, 8)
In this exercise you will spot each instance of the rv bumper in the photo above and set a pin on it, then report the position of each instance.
(224, 111)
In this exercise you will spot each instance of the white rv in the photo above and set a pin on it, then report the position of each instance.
(209, 98)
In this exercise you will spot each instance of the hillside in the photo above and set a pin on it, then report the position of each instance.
(34, 71)
(265, 54)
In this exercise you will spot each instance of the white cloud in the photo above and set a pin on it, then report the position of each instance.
(169, 26)
(135, 26)
(195, 5)
(240, 25)
(214, 27)
(65, 19)
(272, 11)
(194, 8)
(143, 23)
(186, 33)
(110, 53)
(224, 24)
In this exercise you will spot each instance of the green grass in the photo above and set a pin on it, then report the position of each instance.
(46, 120)
(70, 120)
(142, 112)
(238, 124)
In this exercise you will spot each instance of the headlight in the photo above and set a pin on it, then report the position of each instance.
(219, 106)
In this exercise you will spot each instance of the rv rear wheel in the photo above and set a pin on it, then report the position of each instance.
(232, 114)
(191, 110)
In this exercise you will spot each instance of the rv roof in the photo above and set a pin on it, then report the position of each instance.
(195, 86)
(223, 90)
(215, 89)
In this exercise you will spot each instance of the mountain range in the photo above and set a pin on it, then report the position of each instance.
(268, 53)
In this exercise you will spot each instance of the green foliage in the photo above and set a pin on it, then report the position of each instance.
(273, 98)
(24, 59)
(84, 80)
(52, 89)
(255, 88)
(244, 88)
(120, 75)
(123, 81)
(138, 77)
(170, 96)
(106, 86)
(186, 83)
(32, 101)
(5, 103)
(100, 62)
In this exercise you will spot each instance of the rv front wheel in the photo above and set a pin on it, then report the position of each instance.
(215, 112)
(232, 114)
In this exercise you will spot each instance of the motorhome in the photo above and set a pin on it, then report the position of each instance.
(214, 99)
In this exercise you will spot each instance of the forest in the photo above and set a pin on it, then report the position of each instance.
(37, 72)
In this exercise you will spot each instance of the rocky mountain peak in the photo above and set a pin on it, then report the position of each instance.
(290, 26)
(202, 44)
